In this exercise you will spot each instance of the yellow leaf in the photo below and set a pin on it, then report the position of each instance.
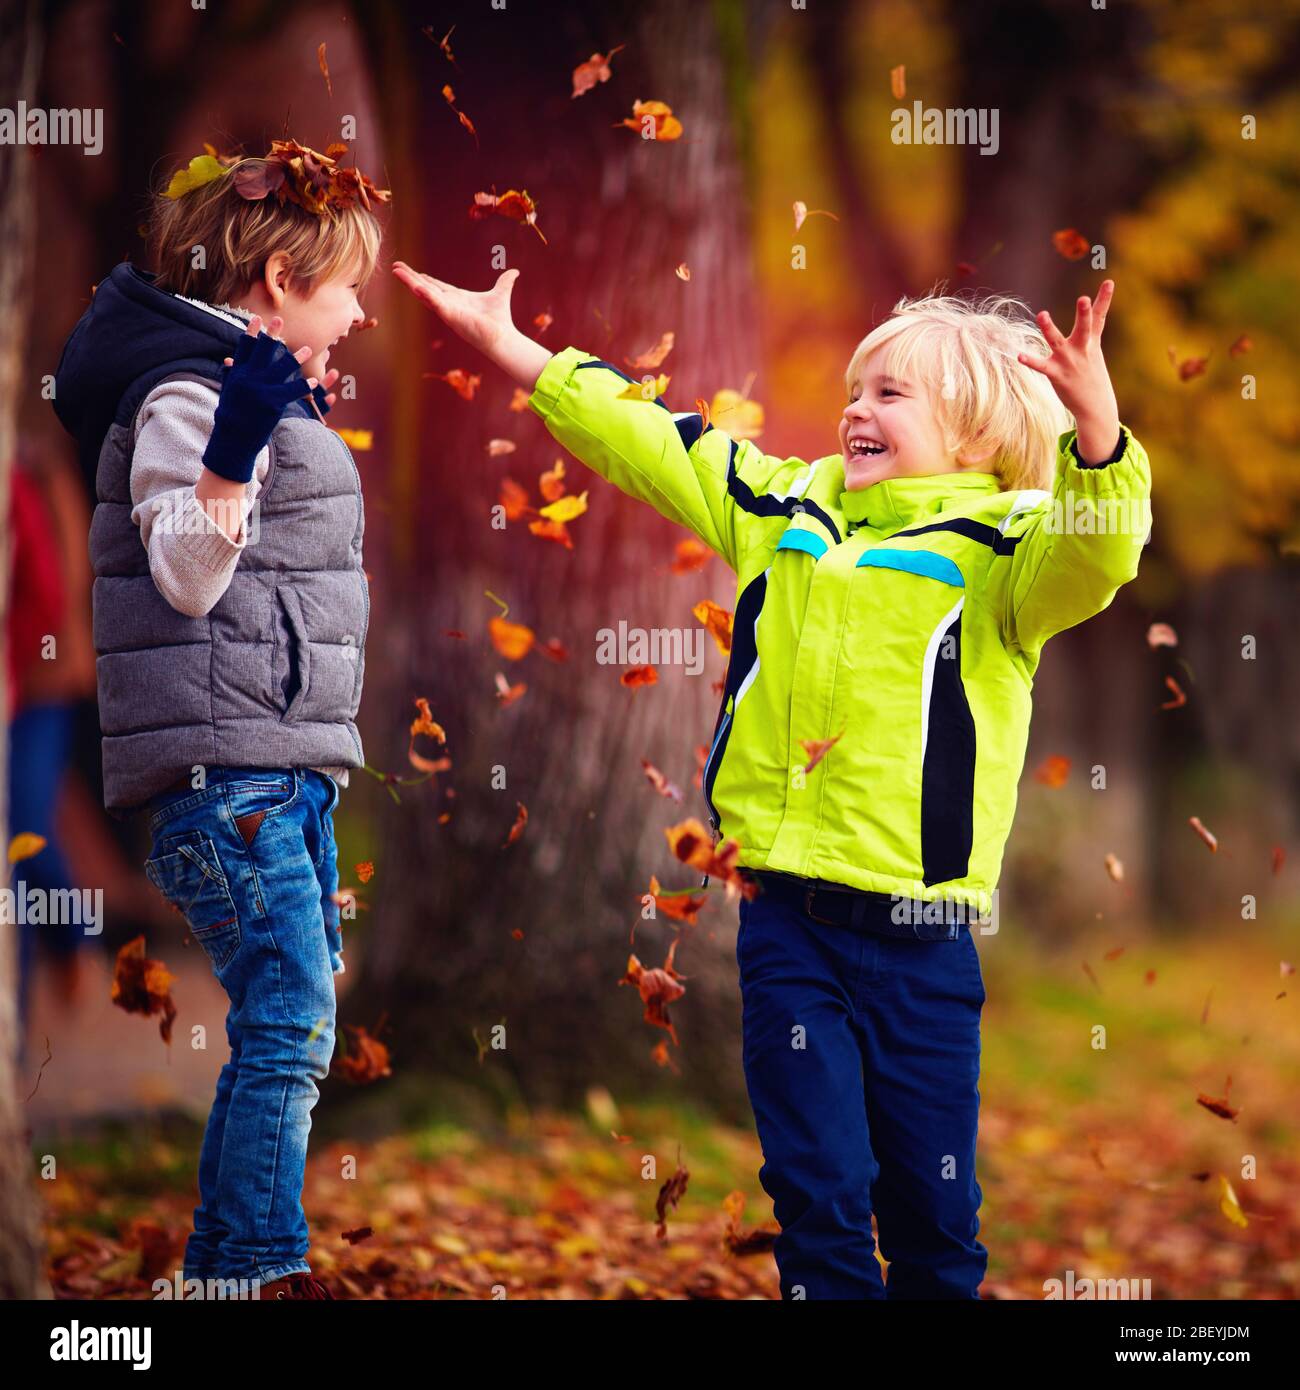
(565, 508)
(644, 390)
(740, 417)
(360, 440)
(25, 846)
(202, 169)
(1229, 1205)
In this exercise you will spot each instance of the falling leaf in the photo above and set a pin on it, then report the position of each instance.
(689, 556)
(802, 212)
(1053, 771)
(658, 988)
(898, 82)
(1088, 971)
(555, 649)
(464, 383)
(143, 986)
(519, 401)
(325, 71)
(507, 694)
(670, 1194)
(1277, 857)
(1219, 1107)
(361, 441)
(644, 390)
(817, 748)
(541, 322)
(425, 724)
(565, 509)
(550, 530)
(1228, 1203)
(517, 829)
(701, 758)
(514, 204)
(355, 1237)
(637, 676)
(595, 69)
(716, 621)
(450, 98)
(512, 640)
(514, 499)
(1242, 345)
(497, 447)
(681, 907)
(1195, 823)
(666, 125)
(1071, 244)
(683, 271)
(1180, 696)
(741, 417)
(654, 356)
(662, 1057)
(1115, 868)
(1161, 635)
(551, 483)
(365, 871)
(362, 1060)
(443, 43)
(1190, 367)
(1114, 953)
(25, 845)
(659, 782)
(693, 845)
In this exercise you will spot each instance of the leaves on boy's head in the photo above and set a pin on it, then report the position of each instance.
(654, 356)
(143, 986)
(595, 69)
(203, 168)
(464, 383)
(717, 622)
(516, 205)
(1071, 244)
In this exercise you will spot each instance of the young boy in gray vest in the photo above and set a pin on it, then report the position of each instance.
(230, 614)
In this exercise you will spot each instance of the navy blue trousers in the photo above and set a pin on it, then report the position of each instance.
(862, 1057)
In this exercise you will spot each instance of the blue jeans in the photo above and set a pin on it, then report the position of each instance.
(251, 863)
(862, 1058)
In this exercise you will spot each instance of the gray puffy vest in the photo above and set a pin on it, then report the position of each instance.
(272, 676)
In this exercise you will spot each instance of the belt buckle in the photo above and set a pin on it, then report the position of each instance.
(808, 911)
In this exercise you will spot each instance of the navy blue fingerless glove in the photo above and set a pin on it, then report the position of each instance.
(255, 389)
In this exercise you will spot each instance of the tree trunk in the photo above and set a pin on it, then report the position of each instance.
(20, 1247)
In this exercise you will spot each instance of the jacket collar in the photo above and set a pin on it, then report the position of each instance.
(898, 502)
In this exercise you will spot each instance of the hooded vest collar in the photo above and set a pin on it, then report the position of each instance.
(899, 502)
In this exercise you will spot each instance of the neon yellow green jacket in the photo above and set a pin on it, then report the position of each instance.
(904, 619)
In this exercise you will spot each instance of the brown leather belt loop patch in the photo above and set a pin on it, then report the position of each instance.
(248, 825)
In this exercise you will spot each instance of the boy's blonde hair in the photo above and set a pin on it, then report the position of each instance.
(963, 351)
(238, 235)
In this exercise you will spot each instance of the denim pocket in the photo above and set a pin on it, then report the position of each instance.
(251, 799)
(186, 871)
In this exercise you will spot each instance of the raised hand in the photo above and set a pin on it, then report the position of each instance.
(1078, 374)
(481, 317)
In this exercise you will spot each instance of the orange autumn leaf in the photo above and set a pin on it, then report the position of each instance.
(1161, 635)
(1053, 771)
(365, 871)
(566, 508)
(514, 498)
(1190, 367)
(464, 383)
(519, 400)
(555, 649)
(1220, 1106)
(690, 555)
(507, 694)
(654, 120)
(702, 406)
(324, 69)
(25, 845)
(693, 845)
(1277, 857)
(517, 829)
(658, 988)
(362, 1059)
(359, 441)
(425, 724)
(802, 212)
(741, 417)
(512, 640)
(670, 1194)
(595, 69)
(1180, 696)
(716, 621)
(659, 782)
(652, 357)
(143, 986)
(662, 1057)
(550, 530)
(514, 204)
(1071, 244)
(681, 907)
(1241, 345)
(898, 82)
(817, 748)
(551, 483)
(542, 321)
(636, 676)
(443, 43)
(1211, 842)
(450, 98)
(701, 757)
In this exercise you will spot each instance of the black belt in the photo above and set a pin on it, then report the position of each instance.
(881, 914)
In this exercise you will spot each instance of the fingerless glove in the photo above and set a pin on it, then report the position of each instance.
(255, 389)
